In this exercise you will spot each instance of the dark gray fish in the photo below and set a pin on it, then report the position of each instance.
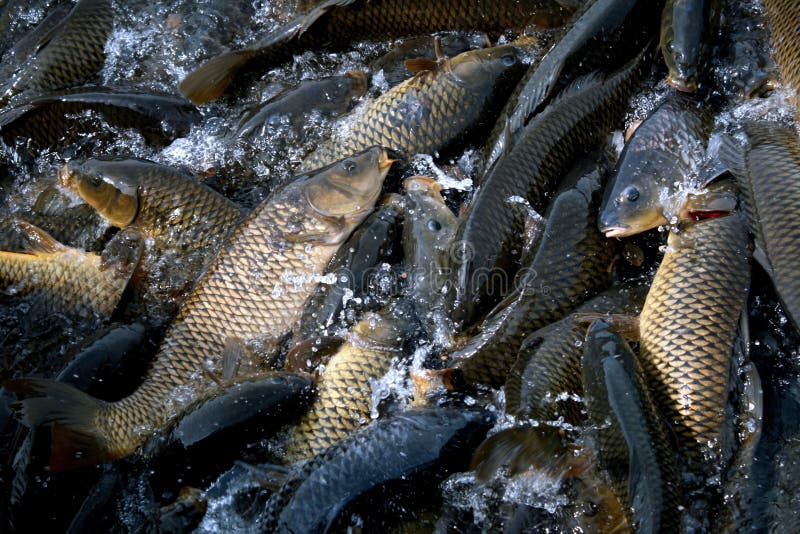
(688, 28)
(414, 451)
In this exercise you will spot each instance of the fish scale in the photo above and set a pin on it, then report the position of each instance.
(688, 326)
(784, 19)
(768, 172)
(577, 121)
(75, 52)
(344, 398)
(426, 113)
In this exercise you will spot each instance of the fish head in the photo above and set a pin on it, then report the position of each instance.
(349, 188)
(486, 67)
(429, 223)
(682, 44)
(355, 83)
(114, 195)
(638, 196)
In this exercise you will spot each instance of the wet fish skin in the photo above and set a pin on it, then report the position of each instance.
(69, 280)
(344, 391)
(370, 244)
(549, 361)
(687, 27)
(658, 164)
(428, 227)
(784, 21)
(400, 448)
(575, 123)
(688, 326)
(334, 24)
(156, 200)
(587, 41)
(431, 111)
(233, 307)
(45, 119)
(631, 437)
(392, 64)
(571, 265)
(73, 53)
(330, 97)
(767, 170)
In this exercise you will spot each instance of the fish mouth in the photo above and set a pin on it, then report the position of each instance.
(616, 231)
(681, 84)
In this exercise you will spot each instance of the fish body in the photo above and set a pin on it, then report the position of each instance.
(354, 264)
(158, 201)
(575, 123)
(549, 362)
(571, 265)
(430, 111)
(56, 119)
(72, 53)
(67, 279)
(246, 301)
(657, 168)
(329, 97)
(344, 391)
(784, 20)
(688, 326)
(767, 170)
(687, 30)
(337, 23)
(631, 437)
(428, 227)
(421, 447)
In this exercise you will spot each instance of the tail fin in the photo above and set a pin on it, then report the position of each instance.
(76, 440)
(520, 448)
(211, 79)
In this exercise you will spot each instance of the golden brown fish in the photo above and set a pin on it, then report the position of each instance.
(784, 20)
(431, 111)
(688, 326)
(246, 302)
(344, 391)
(68, 280)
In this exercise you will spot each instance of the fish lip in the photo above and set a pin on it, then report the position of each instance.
(681, 84)
(616, 231)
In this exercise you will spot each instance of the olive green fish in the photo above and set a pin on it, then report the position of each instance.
(545, 382)
(68, 280)
(688, 28)
(344, 391)
(335, 24)
(784, 21)
(428, 226)
(69, 54)
(431, 111)
(657, 168)
(630, 435)
(572, 265)
(156, 200)
(688, 327)
(767, 170)
(576, 122)
(245, 303)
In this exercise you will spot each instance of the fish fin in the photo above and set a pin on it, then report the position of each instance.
(540, 447)
(269, 476)
(761, 257)
(626, 326)
(37, 241)
(75, 441)
(211, 79)
(49, 201)
(312, 352)
(732, 155)
(232, 354)
(123, 252)
(420, 64)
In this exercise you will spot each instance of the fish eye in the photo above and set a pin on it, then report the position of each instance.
(95, 181)
(349, 166)
(631, 194)
(508, 59)
(434, 225)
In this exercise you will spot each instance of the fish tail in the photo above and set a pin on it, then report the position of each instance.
(77, 440)
(211, 79)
